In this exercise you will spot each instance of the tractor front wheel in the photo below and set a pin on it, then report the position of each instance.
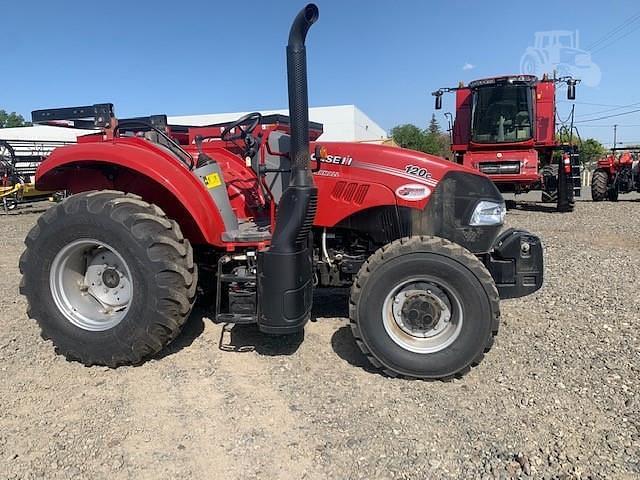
(108, 277)
(424, 307)
(599, 186)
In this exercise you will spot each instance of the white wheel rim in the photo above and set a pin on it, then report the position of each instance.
(422, 315)
(91, 285)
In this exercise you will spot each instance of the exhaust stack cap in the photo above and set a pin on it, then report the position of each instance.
(303, 21)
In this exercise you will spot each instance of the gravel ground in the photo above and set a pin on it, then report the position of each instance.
(557, 397)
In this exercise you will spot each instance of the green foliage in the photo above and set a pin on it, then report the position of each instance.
(8, 120)
(432, 140)
(591, 150)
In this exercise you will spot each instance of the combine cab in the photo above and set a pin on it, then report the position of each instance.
(618, 172)
(505, 127)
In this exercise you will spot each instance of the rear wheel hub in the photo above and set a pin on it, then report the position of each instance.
(91, 285)
(110, 278)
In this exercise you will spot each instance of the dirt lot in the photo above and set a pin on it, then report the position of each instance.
(557, 397)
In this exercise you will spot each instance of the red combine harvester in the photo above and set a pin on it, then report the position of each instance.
(506, 128)
(254, 208)
(616, 173)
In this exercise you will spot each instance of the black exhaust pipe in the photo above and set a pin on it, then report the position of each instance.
(298, 98)
(285, 270)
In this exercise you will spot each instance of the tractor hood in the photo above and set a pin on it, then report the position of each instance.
(377, 186)
(392, 167)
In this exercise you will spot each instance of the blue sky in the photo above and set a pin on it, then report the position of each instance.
(385, 57)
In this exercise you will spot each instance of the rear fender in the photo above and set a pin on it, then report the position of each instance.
(136, 166)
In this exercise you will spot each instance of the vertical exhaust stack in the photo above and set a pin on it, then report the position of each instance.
(298, 98)
(285, 270)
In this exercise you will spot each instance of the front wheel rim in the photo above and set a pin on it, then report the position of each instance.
(91, 285)
(422, 315)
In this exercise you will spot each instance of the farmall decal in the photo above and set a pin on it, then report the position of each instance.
(413, 192)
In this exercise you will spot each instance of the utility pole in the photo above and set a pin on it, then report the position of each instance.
(615, 131)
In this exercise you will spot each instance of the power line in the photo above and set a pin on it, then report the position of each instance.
(588, 103)
(616, 30)
(609, 126)
(607, 110)
(615, 40)
(609, 116)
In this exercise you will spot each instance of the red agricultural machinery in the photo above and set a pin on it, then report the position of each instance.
(264, 216)
(618, 172)
(505, 127)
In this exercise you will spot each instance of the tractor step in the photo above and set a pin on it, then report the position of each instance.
(236, 318)
(248, 231)
(236, 298)
(230, 277)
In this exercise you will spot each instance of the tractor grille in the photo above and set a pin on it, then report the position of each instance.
(351, 192)
(495, 168)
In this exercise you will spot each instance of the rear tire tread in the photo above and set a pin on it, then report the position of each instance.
(599, 186)
(153, 230)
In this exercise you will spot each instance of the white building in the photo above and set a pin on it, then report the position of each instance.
(42, 133)
(344, 123)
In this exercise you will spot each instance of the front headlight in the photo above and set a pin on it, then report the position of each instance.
(488, 213)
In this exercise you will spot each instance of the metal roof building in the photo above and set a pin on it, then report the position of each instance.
(341, 123)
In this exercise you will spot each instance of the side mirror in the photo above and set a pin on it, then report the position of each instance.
(571, 89)
(438, 100)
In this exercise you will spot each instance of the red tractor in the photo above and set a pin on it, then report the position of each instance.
(506, 128)
(255, 210)
(615, 174)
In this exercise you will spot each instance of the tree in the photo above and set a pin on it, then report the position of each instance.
(431, 140)
(13, 119)
(590, 151)
(409, 136)
(434, 126)
(437, 141)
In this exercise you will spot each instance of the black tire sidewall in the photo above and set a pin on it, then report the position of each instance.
(459, 281)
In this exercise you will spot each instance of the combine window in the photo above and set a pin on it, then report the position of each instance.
(502, 114)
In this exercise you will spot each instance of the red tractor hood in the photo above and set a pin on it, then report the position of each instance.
(357, 176)
(388, 162)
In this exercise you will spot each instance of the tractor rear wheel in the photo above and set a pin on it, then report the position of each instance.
(424, 307)
(108, 277)
(599, 185)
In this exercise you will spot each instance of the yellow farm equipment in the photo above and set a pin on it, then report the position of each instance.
(16, 181)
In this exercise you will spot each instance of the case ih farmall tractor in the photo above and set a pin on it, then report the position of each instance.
(505, 128)
(111, 273)
(615, 174)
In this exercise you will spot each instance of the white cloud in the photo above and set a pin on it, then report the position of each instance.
(468, 66)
